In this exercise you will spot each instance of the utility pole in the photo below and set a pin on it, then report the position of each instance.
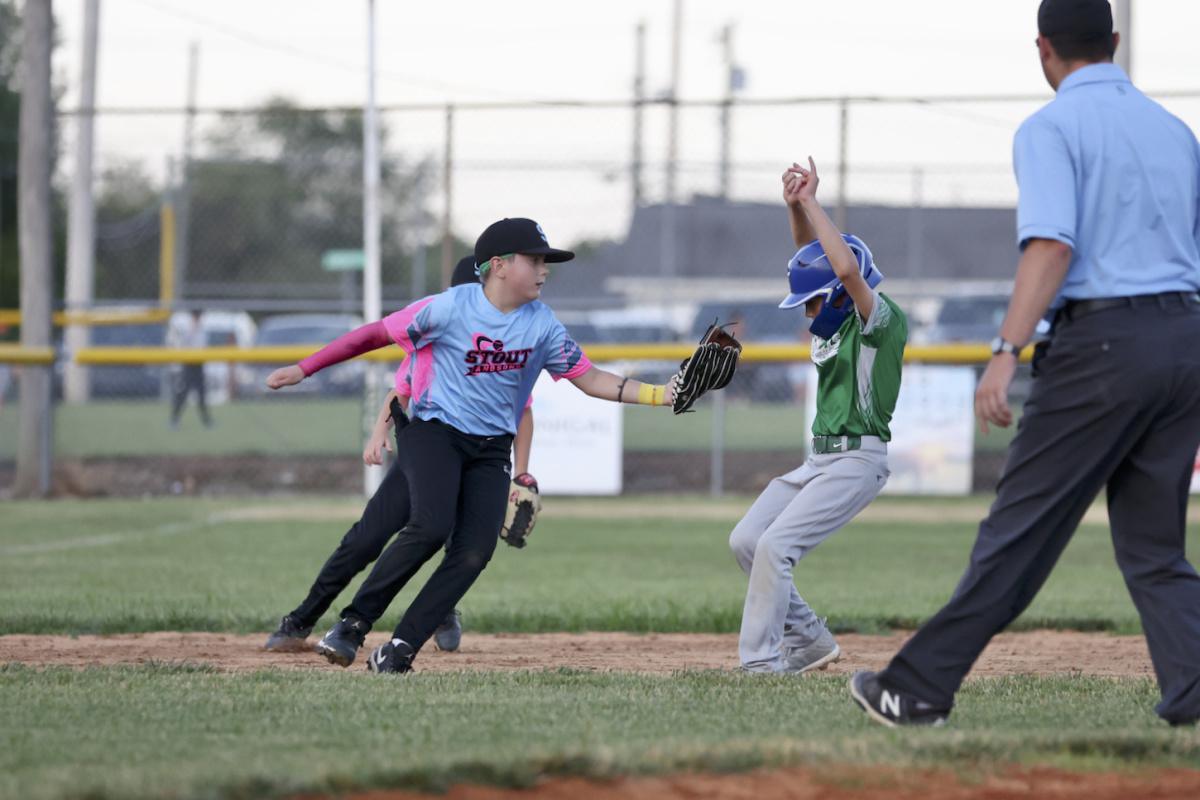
(1123, 24)
(183, 206)
(667, 233)
(35, 439)
(372, 293)
(732, 82)
(81, 224)
(447, 195)
(843, 157)
(639, 111)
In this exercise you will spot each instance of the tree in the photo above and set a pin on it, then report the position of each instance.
(280, 187)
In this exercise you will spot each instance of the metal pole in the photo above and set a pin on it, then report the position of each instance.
(372, 293)
(673, 104)
(81, 224)
(184, 201)
(448, 199)
(34, 448)
(639, 101)
(843, 157)
(916, 231)
(1123, 24)
(716, 483)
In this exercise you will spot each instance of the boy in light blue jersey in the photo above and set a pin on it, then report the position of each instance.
(477, 351)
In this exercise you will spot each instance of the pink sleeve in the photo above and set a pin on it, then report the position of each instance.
(371, 336)
(402, 324)
(578, 368)
(529, 401)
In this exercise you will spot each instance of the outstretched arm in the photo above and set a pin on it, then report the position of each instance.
(845, 266)
(371, 336)
(607, 385)
(373, 449)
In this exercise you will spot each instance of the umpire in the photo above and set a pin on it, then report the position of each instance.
(1107, 224)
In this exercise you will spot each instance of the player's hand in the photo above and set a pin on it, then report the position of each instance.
(792, 181)
(285, 376)
(991, 396)
(807, 190)
(373, 451)
(672, 386)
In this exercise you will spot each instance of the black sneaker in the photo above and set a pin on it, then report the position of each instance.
(289, 637)
(394, 656)
(341, 644)
(891, 708)
(448, 635)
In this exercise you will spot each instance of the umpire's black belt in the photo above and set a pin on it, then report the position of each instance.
(822, 445)
(1074, 309)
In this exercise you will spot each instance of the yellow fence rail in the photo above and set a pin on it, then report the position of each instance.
(927, 354)
(16, 354)
(115, 316)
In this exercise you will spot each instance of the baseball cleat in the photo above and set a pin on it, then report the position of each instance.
(816, 655)
(340, 646)
(892, 708)
(289, 637)
(395, 656)
(448, 635)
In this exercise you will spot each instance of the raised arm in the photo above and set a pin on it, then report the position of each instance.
(844, 264)
(802, 229)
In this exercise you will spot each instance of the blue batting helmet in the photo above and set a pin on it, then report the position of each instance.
(810, 275)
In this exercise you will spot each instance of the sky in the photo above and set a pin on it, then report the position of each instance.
(569, 167)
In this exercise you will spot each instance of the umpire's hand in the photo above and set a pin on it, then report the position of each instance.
(991, 396)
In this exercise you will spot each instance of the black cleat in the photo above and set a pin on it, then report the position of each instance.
(289, 637)
(394, 656)
(448, 635)
(342, 642)
(892, 708)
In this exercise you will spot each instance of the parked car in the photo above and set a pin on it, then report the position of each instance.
(304, 329)
(221, 329)
(757, 321)
(135, 380)
(971, 318)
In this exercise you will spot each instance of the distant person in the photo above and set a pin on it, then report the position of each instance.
(190, 377)
(858, 348)
(1108, 217)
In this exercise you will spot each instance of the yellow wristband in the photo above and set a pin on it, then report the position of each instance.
(651, 395)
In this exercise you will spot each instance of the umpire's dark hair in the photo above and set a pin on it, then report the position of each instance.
(1070, 47)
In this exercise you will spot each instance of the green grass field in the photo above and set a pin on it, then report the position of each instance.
(307, 426)
(188, 731)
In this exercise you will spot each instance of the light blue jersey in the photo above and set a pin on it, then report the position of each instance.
(474, 366)
(1111, 173)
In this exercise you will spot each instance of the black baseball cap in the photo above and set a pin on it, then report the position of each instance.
(517, 235)
(464, 272)
(1078, 19)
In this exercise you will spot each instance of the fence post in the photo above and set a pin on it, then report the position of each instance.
(716, 484)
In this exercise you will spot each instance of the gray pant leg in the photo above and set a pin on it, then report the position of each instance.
(828, 492)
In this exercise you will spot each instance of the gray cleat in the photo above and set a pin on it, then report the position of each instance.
(818, 654)
(289, 637)
(448, 635)
(340, 646)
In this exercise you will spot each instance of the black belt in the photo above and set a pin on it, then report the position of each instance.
(1074, 309)
(822, 445)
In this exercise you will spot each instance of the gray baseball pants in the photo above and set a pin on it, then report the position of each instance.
(795, 513)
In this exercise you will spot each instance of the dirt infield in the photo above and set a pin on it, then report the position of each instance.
(874, 783)
(1037, 652)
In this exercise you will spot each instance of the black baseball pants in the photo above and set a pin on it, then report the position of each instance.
(1115, 404)
(458, 483)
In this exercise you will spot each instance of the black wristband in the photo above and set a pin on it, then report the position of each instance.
(621, 389)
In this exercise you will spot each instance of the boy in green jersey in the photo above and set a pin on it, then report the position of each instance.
(858, 346)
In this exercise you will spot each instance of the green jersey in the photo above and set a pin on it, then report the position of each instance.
(858, 373)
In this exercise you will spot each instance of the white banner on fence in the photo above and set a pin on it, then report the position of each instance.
(576, 441)
(933, 432)
(1196, 476)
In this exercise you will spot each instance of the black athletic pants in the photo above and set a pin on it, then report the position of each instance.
(386, 513)
(190, 379)
(1115, 404)
(458, 483)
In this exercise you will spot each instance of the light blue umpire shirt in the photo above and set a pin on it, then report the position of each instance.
(1113, 174)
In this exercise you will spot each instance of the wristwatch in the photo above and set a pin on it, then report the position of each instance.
(1002, 345)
